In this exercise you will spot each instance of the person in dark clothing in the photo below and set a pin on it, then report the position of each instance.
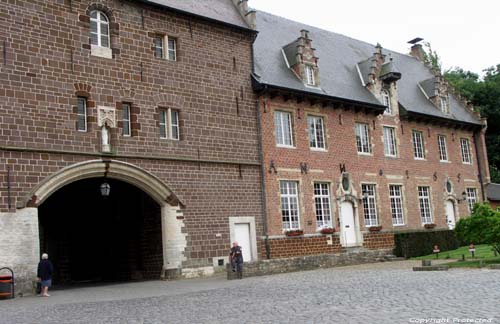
(236, 258)
(44, 274)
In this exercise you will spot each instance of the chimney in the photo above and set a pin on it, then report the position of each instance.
(417, 51)
(249, 15)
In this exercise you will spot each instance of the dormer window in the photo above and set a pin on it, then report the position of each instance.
(445, 105)
(386, 99)
(310, 75)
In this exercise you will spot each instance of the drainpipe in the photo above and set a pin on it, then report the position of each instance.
(480, 174)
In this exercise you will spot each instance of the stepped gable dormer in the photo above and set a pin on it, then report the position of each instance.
(436, 90)
(379, 75)
(301, 59)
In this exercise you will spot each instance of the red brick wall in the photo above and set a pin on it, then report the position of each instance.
(378, 240)
(297, 246)
(341, 149)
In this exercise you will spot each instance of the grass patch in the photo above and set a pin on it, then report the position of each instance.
(483, 251)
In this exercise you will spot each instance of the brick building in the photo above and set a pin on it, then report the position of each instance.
(358, 139)
(150, 101)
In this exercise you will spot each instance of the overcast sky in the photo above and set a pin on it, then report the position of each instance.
(464, 33)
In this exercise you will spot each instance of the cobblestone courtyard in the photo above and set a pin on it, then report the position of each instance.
(375, 293)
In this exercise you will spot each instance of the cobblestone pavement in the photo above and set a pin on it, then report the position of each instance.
(375, 293)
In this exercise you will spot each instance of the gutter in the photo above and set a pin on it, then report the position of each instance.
(441, 119)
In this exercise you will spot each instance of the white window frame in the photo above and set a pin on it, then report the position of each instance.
(425, 204)
(100, 23)
(443, 151)
(465, 149)
(471, 198)
(390, 149)
(168, 125)
(310, 75)
(445, 104)
(79, 114)
(363, 145)
(369, 194)
(386, 100)
(281, 126)
(167, 52)
(322, 204)
(396, 201)
(126, 119)
(418, 145)
(316, 126)
(289, 202)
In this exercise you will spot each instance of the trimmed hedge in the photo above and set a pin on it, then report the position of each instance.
(414, 244)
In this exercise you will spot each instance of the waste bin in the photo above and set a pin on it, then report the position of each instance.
(7, 284)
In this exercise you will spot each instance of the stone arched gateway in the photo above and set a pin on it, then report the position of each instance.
(27, 250)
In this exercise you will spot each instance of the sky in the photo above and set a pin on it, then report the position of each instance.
(464, 33)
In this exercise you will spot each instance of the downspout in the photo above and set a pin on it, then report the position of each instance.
(480, 174)
(262, 168)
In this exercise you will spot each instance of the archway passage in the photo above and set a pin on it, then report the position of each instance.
(90, 238)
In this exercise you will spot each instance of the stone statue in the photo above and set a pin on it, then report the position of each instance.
(106, 147)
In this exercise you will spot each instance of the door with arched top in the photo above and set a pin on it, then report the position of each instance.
(450, 214)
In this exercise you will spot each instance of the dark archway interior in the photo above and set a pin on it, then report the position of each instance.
(90, 238)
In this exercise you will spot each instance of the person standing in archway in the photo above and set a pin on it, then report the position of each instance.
(44, 274)
(236, 258)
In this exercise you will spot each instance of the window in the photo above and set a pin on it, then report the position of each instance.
(169, 124)
(445, 106)
(466, 158)
(386, 99)
(443, 153)
(418, 145)
(369, 205)
(126, 119)
(99, 29)
(389, 141)
(316, 132)
(283, 128)
(81, 113)
(396, 205)
(424, 199)
(471, 198)
(309, 75)
(363, 138)
(322, 204)
(289, 204)
(165, 47)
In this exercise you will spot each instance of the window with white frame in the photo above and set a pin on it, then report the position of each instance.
(289, 204)
(389, 141)
(165, 47)
(81, 114)
(169, 124)
(316, 132)
(363, 138)
(418, 145)
(471, 198)
(466, 157)
(445, 104)
(99, 29)
(283, 128)
(443, 152)
(322, 204)
(386, 99)
(396, 198)
(424, 199)
(310, 75)
(369, 204)
(126, 119)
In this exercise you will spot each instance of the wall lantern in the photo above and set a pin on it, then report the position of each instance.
(105, 189)
(464, 197)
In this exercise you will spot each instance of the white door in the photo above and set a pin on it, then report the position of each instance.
(348, 230)
(242, 236)
(450, 214)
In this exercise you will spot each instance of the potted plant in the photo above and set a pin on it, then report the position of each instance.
(295, 232)
(327, 230)
(429, 226)
(375, 228)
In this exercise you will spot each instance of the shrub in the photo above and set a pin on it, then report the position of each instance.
(414, 244)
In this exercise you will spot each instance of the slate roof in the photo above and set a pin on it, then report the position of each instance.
(223, 11)
(339, 56)
(493, 191)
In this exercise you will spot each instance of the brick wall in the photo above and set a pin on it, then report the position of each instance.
(376, 241)
(297, 246)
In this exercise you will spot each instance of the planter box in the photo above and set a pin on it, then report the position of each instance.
(327, 230)
(429, 226)
(294, 233)
(375, 228)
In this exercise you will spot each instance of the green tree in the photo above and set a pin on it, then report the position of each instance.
(482, 227)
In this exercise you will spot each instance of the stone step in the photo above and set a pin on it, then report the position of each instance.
(431, 268)
(495, 266)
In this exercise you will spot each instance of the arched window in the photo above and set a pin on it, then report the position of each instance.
(386, 99)
(99, 29)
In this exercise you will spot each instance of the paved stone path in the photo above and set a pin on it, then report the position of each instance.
(375, 293)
